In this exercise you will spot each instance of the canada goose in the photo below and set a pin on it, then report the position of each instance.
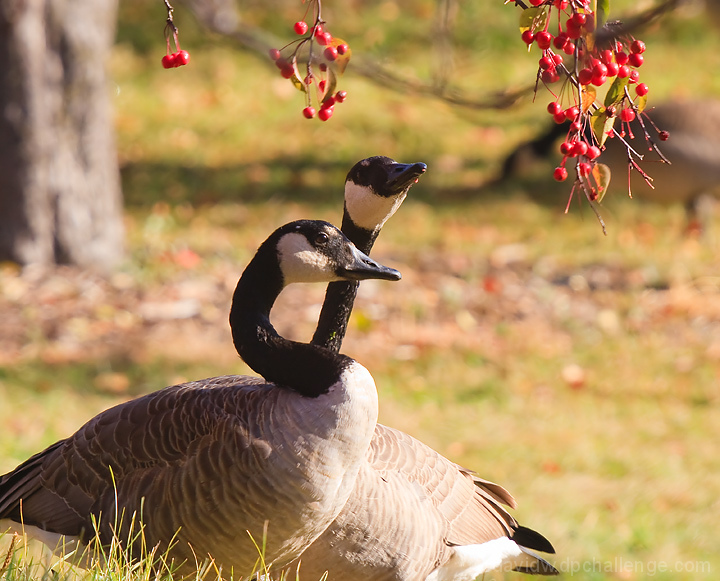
(691, 178)
(374, 189)
(209, 463)
(413, 514)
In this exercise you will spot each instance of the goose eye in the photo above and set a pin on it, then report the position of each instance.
(321, 239)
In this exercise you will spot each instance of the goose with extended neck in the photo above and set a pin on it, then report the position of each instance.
(413, 514)
(209, 464)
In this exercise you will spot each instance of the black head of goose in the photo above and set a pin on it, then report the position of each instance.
(414, 515)
(209, 464)
(374, 189)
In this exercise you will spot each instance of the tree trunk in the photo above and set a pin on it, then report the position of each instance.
(60, 199)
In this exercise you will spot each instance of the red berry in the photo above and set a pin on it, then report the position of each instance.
(301, 27)
(342, 48)
(642, 90)
(621, 58)
(331, 53)
(571, 113)
(550, 76)
(559, 117)
(623, 71)
(598, 80)
(324, 39)
(168, 61)
(325, 113)
(573, 31)
(560, 40)
(585, 76)
(599, 69)
(584, 169)
(287, 71)
(546, 63)
(554, 107)
(560, 174)
(569, 47)
(274, 54)
(182, 57)
(575, 126)
(557, 59)
(566, 148)
(593, 152)
(612, 69)
(590, 22)
(319, 30)
(543, 39)
(606, 56)
(527, 36)
(610, 111)
(327, 102)
(536, 2)
(309, 112)
(634, 77)
(340, 96)
(636, 59)
(323, 67)
(580, 148)
(561, 4)
(637, 47)
(627, 115)
(578, 19)
(322, 84)
(664, 135)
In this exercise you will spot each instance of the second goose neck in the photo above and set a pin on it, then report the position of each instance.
(340, 296)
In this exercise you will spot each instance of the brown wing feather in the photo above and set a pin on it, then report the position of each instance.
(409, 505)
(471, 506)
(162, 438)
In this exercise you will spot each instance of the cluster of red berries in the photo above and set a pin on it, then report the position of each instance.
(176, 59)
(322, 67)
(589, 67)
(327, 107)
(179, 57)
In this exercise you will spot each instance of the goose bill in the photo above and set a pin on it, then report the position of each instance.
(361, 267)
(403, 175)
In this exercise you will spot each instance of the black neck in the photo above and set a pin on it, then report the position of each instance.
(340, 296)
(307, 369)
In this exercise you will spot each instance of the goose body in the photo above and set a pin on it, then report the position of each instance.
(209, 464)
(413, 514)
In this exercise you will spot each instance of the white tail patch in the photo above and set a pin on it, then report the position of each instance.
(55, 547)
(468, 562)
(367, 209)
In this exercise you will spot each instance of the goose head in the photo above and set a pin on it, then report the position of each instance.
(301, 251)
(374, 189)
(316, 251)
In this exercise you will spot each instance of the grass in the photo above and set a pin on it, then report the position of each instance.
(503, 294)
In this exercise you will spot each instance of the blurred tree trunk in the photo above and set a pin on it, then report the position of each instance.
(60, 199)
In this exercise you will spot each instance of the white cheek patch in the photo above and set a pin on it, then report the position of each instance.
(367, 209)
(300, 262)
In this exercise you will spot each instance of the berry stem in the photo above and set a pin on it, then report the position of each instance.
(170, 26)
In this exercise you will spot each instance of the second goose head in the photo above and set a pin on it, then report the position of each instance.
(374, 189)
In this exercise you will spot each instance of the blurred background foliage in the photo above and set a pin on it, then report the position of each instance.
(579, 370)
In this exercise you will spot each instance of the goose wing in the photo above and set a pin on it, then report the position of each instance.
(471, 507)
(171, 451)
(409, 506)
